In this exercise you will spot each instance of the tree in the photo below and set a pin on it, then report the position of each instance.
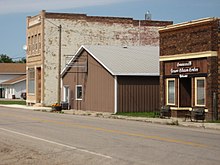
(5, 59)
(22, 60)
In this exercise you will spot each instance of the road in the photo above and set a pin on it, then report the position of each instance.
(31, 137)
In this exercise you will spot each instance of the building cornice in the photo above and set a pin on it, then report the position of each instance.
(189, 56)
(190, 23)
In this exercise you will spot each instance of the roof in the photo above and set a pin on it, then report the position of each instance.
(14, 80)
(131, 60)
(12, 68)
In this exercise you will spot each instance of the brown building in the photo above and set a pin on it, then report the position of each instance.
(190, 67)
(51, 35)
(113, 79)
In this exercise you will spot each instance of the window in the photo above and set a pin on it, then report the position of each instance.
(31, 80)
(39, 42)
(79, 92)
(170, 91)
(200, 91)
(29, 45)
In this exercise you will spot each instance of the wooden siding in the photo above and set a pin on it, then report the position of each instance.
(98, 86)
(138, 94)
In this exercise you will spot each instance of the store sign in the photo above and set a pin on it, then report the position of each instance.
(184, 67)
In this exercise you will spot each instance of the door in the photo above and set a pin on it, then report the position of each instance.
(66, 94)
(38, 85)
(185, 89)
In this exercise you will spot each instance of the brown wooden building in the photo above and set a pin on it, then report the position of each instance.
(113, 79)
(190, 67)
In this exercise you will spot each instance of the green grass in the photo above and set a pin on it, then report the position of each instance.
(215, 121)
(139, 114)
(19, 102)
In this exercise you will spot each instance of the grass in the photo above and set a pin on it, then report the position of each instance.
(215, 121)
(19, 102)
(139, 114)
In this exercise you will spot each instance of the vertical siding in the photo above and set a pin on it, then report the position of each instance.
(98, 86)
(138, 94)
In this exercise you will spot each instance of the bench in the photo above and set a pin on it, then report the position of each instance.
(196, 114)
(165, 112)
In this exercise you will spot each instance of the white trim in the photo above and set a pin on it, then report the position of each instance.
(178, 95)
(64, 93)
(137, 74)
(116, 94)
(200, 78)
(170, 79)
(76, 98)
(189, 56)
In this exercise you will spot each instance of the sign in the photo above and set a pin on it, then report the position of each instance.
(184, 67)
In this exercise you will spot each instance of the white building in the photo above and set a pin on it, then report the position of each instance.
(12, 80)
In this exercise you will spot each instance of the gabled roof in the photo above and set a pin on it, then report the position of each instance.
(12, 68)
(118, 60)
(14, 80)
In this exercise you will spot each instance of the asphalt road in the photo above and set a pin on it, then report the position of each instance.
(31, 137)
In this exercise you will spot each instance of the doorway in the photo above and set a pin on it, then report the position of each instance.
(38, 98)
(185, 89)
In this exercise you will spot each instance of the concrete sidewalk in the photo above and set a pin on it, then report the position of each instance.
(166, 121)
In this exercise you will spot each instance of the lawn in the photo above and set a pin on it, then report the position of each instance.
(139, 114)
(19, 102)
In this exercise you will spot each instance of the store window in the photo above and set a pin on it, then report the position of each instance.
(200, 91)
(31, 80)
(79, 92)
(170, 91)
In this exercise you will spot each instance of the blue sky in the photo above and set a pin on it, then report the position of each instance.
(13, 14)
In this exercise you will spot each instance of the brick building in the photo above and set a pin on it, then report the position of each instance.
(190, 67)
(76, 29)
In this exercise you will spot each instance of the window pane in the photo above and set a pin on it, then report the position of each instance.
(79, 92)
(171, 91)
(31, 80)
(200, 92)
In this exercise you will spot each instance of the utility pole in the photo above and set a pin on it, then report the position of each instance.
(59, 67)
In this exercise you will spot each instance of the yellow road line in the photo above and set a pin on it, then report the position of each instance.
(113, 131)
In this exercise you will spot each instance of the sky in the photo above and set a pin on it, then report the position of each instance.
(13, 14)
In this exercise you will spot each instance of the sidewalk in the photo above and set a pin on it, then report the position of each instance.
(166, 121)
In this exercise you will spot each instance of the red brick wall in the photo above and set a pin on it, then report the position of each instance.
(190, 39)
(199, 37)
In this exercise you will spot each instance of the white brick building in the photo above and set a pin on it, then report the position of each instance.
(77, 29)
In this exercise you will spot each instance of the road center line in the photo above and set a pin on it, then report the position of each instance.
(60, 144)
(194, 144)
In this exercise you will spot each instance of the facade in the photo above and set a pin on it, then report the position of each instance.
(12, 80)
(190, 67)
(113, 79)
(44, 35)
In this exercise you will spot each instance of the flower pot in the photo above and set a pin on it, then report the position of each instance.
(56, 108)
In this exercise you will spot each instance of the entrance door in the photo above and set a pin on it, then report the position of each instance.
(185, 89)
(66, 94)
(38, 85)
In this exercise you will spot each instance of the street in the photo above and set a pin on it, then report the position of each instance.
(32, 137)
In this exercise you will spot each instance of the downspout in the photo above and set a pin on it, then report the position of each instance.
(116, 95)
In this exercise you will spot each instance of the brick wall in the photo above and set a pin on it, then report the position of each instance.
(189, 39)
(192, 38)
(80, 29)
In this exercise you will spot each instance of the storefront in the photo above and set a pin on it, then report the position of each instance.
(189, 67)
(185, 84)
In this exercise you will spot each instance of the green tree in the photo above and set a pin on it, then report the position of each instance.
(22, 60)
(5, 59)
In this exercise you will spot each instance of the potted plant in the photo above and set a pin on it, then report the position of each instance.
(56, 107)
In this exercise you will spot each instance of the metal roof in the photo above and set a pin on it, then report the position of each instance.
(127, 60)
